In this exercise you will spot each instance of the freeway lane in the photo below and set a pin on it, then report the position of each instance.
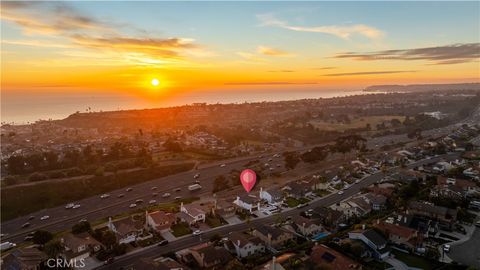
(95, 208)
(187, 241)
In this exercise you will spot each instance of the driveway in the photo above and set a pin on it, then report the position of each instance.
(168, 236)
(233, 220)
(468, 252)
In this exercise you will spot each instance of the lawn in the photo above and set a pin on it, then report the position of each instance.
(321, 192)
(356, 123)
(214, 221)
(292, 202)
(412, 260)
(180, 229)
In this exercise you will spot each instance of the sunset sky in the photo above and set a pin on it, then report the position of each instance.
(120, 47)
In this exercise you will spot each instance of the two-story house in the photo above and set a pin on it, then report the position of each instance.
(246, 245)
(273, 237)
(79, 246)
(126, 229)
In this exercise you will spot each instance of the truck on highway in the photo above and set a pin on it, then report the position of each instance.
(7, 245)
(194, 187)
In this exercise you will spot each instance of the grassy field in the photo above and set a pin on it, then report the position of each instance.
(22, 200)
(355, 123)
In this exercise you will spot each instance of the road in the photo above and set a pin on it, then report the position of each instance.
(188, 241)
(467, 253)
(95, 208)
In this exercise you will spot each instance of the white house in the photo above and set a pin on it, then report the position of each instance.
(195, 212)
(372, 239)
(272, 196)
(126, 229)
(247, 202)
(246, 245)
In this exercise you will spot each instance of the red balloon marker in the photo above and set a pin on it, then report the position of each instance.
(248, 179)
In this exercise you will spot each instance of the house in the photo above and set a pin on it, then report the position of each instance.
(460, 185)
(428, 210)
(372, 239)
(162, 263)
(330, 218)
(247, 202)
(246, 245)
(356, 206)
(159, 221)
(225, 209)
(272, 196)
(306, 227)
(126, 229)
(322, 255)
(273, 265)
(376, 201)
(298, 190)
(211, 256)
(272, 237)
(24, 259)
(191, 213)
(79, 246)
(401, 235)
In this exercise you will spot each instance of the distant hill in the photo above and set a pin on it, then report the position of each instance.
(423, 87)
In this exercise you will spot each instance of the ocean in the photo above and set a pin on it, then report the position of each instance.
(22, 107)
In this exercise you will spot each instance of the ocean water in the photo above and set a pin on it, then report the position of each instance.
(21, 107)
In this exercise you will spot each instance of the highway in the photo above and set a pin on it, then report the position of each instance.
(95, 208)
(188, 241)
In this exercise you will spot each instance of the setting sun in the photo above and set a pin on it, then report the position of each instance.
(155, 82)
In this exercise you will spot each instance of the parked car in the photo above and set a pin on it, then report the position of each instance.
(340, 192)
(162, 243)
(197, 232)
(446, 248)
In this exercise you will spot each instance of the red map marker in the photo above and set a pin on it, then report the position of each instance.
(248, 179)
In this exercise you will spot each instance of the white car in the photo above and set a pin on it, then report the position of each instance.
(44, 217)
(446, 248)
(166, 195)
(340, 192)
(196, 176)
(104, 196)
(357, 181)
(152, 201)
(154, 188)
(129, 189)
(133, 205)
(223, 165)
(68, 206)
(76, 206)
(197, 232)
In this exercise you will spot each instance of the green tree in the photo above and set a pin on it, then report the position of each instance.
(53, 248)
(109, 239)
(81, 227)
(42, 237)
